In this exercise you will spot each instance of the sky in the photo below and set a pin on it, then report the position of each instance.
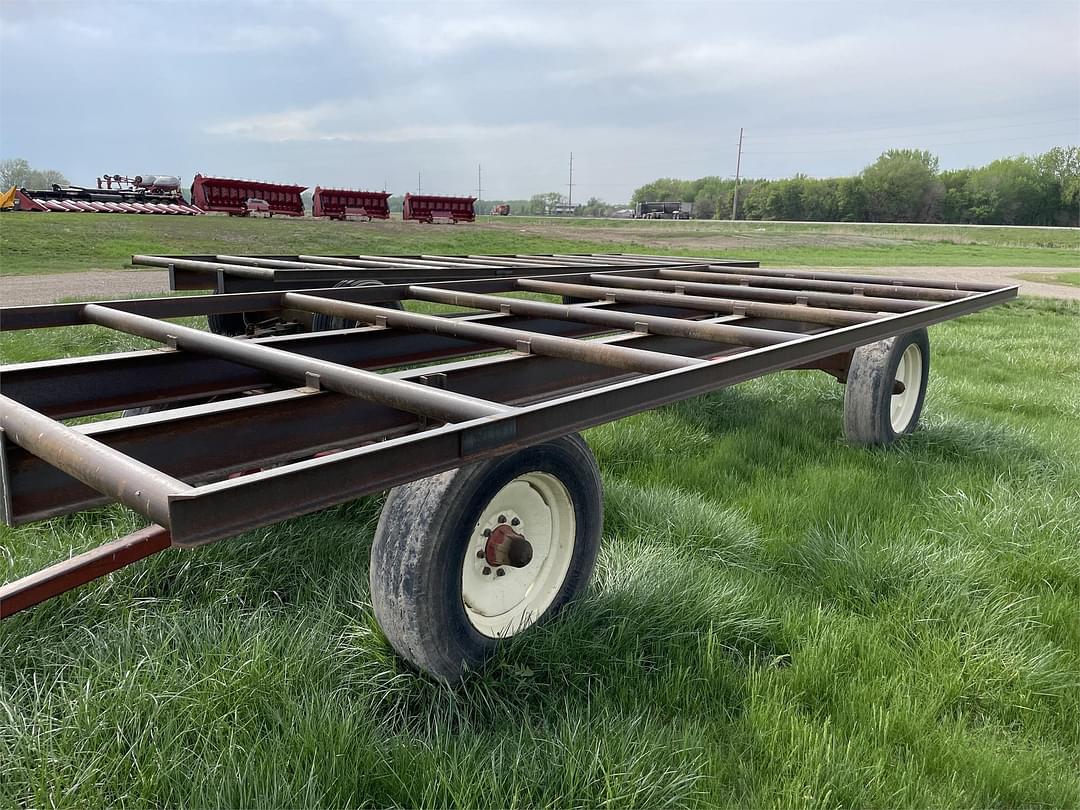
(369, 95)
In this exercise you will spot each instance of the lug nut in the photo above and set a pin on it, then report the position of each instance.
(502, 518)
(487, 532)
(486, 571)
(515, 522)
(480, 554)
(500, 572)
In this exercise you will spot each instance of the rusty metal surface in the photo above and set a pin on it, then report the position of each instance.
(231, 273)
(69, 574)
(276, 427)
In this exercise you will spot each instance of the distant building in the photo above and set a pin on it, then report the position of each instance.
(562, 210)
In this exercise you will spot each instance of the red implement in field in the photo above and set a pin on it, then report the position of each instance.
(75, 199)
(425, 208)
(230, 196)
(341, 203)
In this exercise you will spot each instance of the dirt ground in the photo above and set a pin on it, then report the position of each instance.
(703, 238)
(45, 289)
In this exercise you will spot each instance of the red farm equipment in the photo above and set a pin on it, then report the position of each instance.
(340, 203)
(125, 198)
(152, 183)
(232, 197)
(425, 208)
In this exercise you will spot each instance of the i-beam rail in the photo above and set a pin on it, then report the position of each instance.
(247, 432)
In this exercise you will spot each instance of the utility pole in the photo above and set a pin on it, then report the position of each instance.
(738, 165)
(570, 186)
(418, 184)
(479, 188)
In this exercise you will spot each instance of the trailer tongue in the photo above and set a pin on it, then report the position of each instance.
(494, 519)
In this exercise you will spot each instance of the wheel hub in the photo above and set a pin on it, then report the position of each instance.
(519, 554)
(507, 547)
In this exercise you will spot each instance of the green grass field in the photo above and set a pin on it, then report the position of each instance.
(777, 619)
(48, 243)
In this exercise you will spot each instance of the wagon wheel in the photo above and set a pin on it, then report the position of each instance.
(886, 386)
(325, 323)
(229, 324)
(475, 555)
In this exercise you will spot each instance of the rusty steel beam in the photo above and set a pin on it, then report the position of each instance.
(798, 313)
(219, 510)
(376, 262)
(676, 327)
(819, 285)
(79, 386)
(210, 267)
(81, 569)
(411, 397)
(271, 263)
(707, 260)
(861, 278)
(296, 423)
(528, 342)
(745, 292)
(136, 485)
(266, 296)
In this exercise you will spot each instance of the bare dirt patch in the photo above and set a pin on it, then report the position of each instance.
(45, 289)
(680, 235)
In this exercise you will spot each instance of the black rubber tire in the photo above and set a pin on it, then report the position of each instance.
(869, 389)
(423, 536)
(326, 323)
(229, 324)
(144, 409)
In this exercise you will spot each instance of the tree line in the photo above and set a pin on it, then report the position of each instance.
(902, 185)
(18, 172)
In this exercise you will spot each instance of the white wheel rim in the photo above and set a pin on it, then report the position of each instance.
(909, 373)
(501, 605)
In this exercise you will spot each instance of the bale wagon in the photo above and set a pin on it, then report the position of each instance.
(430, 209)
(349, 204)
(241, 198)
(471, 419)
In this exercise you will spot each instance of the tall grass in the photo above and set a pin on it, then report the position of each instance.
(777, 619)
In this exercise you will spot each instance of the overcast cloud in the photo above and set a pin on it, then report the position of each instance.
(368, 94)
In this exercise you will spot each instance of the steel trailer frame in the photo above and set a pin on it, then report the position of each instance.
(231, 273)
(264, 429)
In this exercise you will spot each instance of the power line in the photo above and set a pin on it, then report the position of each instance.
(738, 166)
(570, 187)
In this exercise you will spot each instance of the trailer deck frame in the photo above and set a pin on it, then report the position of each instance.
(275, 427)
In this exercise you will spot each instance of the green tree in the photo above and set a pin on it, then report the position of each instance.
(958, 203)
(18, 172)
(901, 186)
(1013, 191)
(1063, 164)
